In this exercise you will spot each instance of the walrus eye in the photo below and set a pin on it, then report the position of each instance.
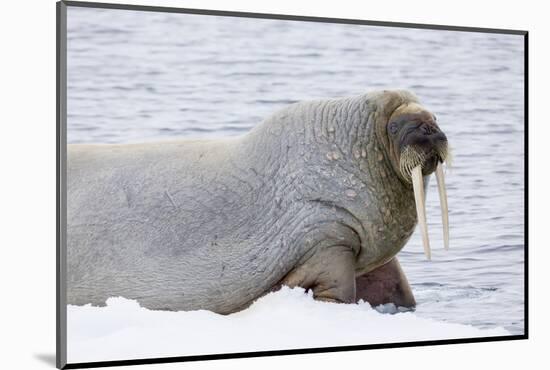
(393, 128)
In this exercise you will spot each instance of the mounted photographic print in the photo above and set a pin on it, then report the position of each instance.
(238, 184)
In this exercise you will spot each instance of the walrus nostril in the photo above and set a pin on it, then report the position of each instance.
(428, 129)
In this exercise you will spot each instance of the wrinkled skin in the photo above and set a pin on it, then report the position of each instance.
(311, 197)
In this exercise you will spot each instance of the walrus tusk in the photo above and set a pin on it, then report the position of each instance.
(443, 201)
(418, 186)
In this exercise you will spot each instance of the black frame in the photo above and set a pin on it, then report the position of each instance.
(61, 201)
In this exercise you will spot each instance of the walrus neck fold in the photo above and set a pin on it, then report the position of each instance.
(312, 132)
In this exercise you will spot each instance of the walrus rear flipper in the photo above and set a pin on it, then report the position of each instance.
(386, 284)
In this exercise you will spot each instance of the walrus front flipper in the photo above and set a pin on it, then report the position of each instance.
(386, 284)
(329, 273)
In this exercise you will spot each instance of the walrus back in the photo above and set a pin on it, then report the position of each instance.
(156, 220)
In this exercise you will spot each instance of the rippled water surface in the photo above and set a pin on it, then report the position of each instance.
(139, 76)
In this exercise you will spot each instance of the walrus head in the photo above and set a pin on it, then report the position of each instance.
(418, 148)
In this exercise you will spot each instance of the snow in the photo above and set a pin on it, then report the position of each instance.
(286, 319)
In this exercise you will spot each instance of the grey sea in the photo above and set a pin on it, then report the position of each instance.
(143, 76)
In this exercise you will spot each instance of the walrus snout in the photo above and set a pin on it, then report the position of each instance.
(423, 135)
(422, 144)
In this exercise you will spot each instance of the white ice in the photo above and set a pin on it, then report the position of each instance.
(287, 319)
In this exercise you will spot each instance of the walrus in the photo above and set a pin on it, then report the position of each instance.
(321, 195)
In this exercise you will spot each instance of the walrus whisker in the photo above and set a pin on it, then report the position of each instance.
(446, 155)
(409, 159)
(418, 187)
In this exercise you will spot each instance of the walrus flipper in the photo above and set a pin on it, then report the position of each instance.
(329, 273)
(386, 284)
